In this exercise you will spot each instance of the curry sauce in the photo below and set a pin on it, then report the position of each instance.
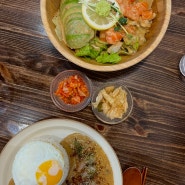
(89, 164)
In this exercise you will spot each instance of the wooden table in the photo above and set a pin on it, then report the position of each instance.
(153, 135)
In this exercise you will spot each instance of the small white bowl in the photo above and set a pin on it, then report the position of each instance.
(101, 116)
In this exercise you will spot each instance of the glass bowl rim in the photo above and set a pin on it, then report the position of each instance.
(100, 115)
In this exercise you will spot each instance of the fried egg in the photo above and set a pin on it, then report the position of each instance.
(40, 162)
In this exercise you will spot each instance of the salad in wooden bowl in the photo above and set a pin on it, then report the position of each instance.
(105, 35)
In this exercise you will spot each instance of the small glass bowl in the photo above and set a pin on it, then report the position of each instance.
(182, 65)
(59, 102)
(101, 116)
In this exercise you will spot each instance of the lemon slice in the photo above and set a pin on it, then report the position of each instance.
(97, 21)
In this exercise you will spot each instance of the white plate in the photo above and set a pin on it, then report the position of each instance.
(60, 128)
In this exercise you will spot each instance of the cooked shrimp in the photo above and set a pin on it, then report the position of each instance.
(111, 36)
(131, 12)
(148, 15)
(141, 7)
(134, 10)
(123, 4)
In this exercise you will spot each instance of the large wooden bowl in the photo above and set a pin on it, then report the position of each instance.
(157, 31)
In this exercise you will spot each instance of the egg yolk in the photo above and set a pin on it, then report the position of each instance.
(49, 173)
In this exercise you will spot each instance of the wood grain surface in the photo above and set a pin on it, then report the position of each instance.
(154, 134)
